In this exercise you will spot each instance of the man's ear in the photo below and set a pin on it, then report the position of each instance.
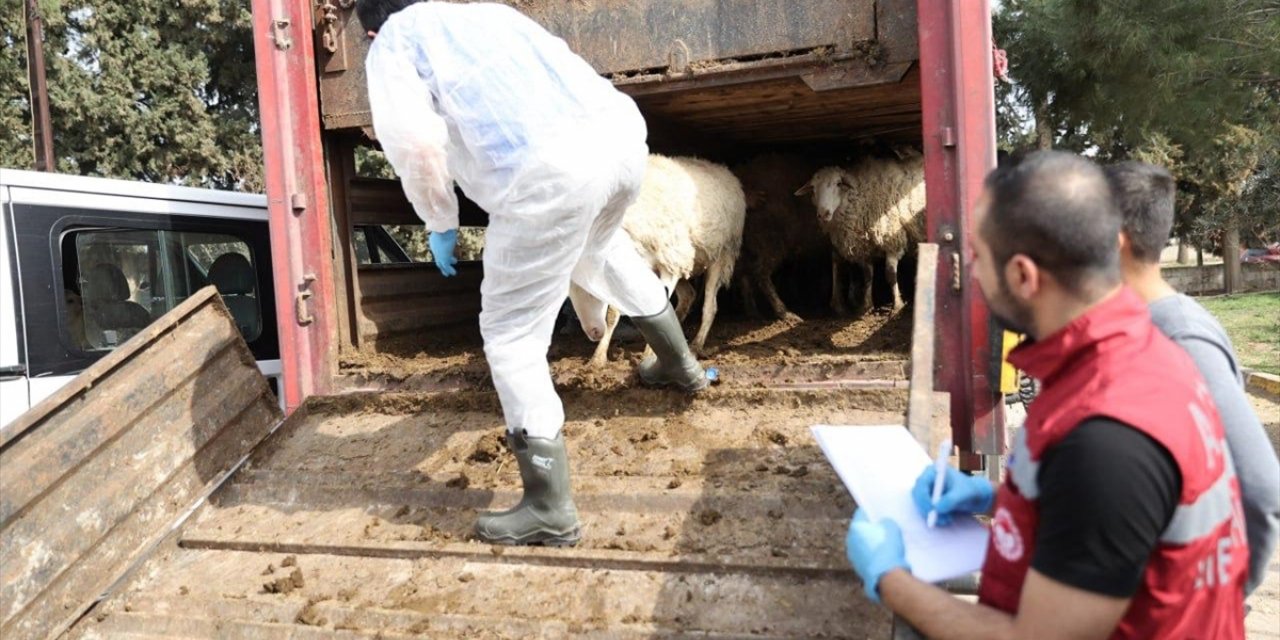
(1023, 277)
(1126, 246)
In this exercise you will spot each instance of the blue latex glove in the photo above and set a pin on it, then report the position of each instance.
(874, 549)
(442, 245)
(961, 494)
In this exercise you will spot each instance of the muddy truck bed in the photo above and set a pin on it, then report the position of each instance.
(713, 516)
(179, 505)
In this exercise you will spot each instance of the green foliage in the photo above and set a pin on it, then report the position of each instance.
(157, 90)
(1188, 84)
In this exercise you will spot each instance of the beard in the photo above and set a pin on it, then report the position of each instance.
(1008, 313)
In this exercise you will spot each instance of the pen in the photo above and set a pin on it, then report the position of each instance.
(940, 472)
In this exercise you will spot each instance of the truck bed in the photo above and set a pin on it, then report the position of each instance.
(169, 511)
(714, 516)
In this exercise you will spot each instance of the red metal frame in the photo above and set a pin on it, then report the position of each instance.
(958, 95)
(297, 197)
(959, 140)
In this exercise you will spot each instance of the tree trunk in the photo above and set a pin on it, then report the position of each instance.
(1044, 130)
(1184, 251)
(1231, 257)
(1199, 256)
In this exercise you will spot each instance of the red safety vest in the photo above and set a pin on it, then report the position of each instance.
(1112, 362)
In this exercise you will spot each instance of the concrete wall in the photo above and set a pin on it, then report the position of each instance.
(1193, 280)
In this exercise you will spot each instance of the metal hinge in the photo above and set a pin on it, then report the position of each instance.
(280, 34)
(301, 309)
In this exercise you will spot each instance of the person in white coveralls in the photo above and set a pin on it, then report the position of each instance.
(480, 95)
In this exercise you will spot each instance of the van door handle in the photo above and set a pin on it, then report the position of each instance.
(13, 372)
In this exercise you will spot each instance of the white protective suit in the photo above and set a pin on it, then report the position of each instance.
(481, 94)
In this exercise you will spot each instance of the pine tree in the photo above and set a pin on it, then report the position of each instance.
(157, 90)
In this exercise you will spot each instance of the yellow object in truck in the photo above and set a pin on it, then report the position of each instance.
(1008, 373)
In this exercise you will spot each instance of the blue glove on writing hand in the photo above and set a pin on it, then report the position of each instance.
(442, 245)
(874, 549)
(961, 494)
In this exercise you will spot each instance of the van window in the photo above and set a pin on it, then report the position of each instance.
(125, 278)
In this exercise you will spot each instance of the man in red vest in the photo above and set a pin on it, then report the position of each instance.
(1120, 513)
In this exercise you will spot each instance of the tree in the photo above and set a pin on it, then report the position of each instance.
(157, 90)
(1189, 84)
(1112, 73)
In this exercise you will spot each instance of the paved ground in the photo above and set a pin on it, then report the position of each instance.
(1264, 620)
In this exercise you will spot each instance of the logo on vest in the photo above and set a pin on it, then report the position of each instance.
(541, 462)
(1005, 536)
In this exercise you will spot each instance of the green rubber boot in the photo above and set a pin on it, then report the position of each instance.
(545, 514)
(673, 363)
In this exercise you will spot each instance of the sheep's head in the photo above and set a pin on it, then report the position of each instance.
(591, 312)
(827, 187)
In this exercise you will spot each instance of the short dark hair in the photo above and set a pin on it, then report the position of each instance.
(1145, 194)
(373, 13)
(1057, 209)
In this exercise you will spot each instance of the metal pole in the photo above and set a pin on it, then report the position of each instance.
(42, 132)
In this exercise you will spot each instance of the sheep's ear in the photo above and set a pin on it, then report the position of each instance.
(807, 188)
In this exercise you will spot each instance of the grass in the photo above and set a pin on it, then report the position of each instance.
(1252, 320)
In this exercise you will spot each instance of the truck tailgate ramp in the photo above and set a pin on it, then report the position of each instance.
(96, 474)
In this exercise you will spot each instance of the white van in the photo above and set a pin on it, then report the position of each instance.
(85, 263)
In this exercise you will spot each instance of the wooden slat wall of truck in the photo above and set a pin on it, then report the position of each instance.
(98, 473)
(397, 299)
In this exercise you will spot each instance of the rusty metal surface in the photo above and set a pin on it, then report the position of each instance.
(896, 30)
(664, 47)
(98, 472)
(297, 196)
(959, 149)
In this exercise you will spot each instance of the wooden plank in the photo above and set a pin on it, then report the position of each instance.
(378, 201)
(923, 337)
(397, 299)
(35, 465)
(102, 488)
(161, 439)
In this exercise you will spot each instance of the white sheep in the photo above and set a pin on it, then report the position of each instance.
(686, 221)
(779, 226)
(872, 209)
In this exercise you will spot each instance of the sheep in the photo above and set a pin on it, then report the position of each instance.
(871, 209)
(686, 221)
(779, 226)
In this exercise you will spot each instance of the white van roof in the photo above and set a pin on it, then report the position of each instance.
(128, 188)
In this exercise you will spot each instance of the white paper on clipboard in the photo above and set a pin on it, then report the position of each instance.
(879, 465)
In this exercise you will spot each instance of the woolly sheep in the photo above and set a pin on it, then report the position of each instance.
(686, 221)
(779, 226)
(872, 209)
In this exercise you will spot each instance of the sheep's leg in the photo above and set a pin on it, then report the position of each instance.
(891, 274)
(601, 356)
(837, 289)
(868, 274)
(685, 295)
(771, 294)
(709, 307)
